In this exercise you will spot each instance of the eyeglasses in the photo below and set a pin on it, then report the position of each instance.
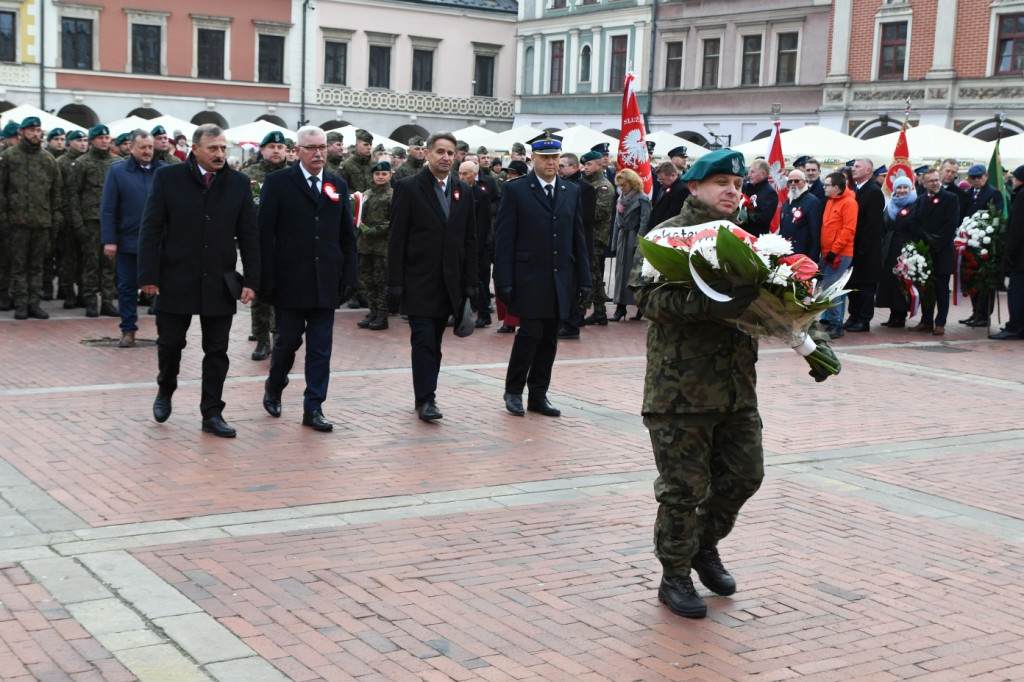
(794, 182)
(314, 148)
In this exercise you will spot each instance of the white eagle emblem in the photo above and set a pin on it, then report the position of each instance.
(777, 176)
(633, 150)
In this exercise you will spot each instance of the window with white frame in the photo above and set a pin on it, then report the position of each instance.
(147, 42)
(79, 36)
(211, 41)
(673, 65)
(751, 47)
(711, 62)
(271, 37)
(336, 55)
(893, 33)
(618, 57)
(556, 66)
(1009, 45)
(485, 60)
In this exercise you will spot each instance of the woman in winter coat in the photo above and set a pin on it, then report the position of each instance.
(896, 223)
(632, 218)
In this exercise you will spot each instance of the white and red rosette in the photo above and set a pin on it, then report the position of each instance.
(331, 191)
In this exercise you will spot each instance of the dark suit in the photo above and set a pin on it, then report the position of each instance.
(187, 248)
(971, 204)
(817, 189)
(765, 201)
(936, 219)
(800, 223)
(431, 264)
(540, 251)
(485, 197)
(309, 256)
(867, 252)
(669, 203)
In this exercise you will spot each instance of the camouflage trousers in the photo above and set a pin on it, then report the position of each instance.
(29, 247)
(5, 259)
(262, 320)
(373, 282)
(97, 269)
(597, 275)
(71, 261)
(708, 466)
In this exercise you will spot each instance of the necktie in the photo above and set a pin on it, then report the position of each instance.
(313, 186)
(976, 192)
(550, 189)
(209, 178)
(441, 196)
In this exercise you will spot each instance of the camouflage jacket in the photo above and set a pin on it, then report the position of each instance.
(376, 221)
(333, 164)
(605, 207)
(258, 172)
(356, 173)
(88, 173)
(409, 167)
(31, 191)
(695, 363)
(166, 156)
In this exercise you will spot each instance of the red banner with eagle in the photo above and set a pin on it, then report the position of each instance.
(632, 143)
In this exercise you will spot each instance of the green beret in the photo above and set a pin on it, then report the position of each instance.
(415, 141)
(591, 156)
(122, 138)
(379, 148)
(482, 150)
(275, 136)
(519, 148)
(54, 133)
(334, 136)
(722, 161)
(75, 135)
(98, 130)
(30, 122)
(159, 130)
(381, 166)
(11, 129)
(364, 136)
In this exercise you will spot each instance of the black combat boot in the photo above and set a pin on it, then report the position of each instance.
(91, 308)
(680, 596)
(712, 573)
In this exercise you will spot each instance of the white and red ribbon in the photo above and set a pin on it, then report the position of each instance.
(960, 247)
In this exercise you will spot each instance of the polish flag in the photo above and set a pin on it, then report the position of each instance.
(900, 166)
(777, 176)
(632, 144)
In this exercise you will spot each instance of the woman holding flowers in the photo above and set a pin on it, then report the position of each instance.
(632, 218)
(700, 402)
(897, 222)
(838, 229)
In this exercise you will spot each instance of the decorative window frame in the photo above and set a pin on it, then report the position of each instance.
(336, 35)
(377, 39)
(146, 17)
(892, 13)
(271, 28)
(661, 73)
(215, 23)
(606, 56)
(776, 29)
(75, 10)
(702, 37)
(749, 31)
(996, 9)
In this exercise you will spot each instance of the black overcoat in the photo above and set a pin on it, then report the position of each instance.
(867, 243)
(936, 220)
(670, 202)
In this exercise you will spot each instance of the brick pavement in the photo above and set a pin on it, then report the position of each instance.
(885, 543)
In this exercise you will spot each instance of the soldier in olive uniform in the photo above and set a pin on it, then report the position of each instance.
(55, 140)
(335, 152)
(70, 266)
(10, 138)
(373, 246)
(272, 151)
(518, 152)
(55, 146)
(357, 174)
(88, 173)
(30, 207)
(414, 162)
(162, 143)
(123, 145)
(11, 134)
(700, 403)
(593, 170)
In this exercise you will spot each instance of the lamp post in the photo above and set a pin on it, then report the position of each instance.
(307, 5)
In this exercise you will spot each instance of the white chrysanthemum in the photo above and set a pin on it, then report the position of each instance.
(983, 215)
(773, 245)
(649, 271)
(781, 275)
(984, 252)
(973, 242)
(706, 248)
(989, 230)
(986, 240)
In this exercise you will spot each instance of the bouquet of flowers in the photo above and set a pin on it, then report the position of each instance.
(914, 270)
(789, 298)
(256, 187)
(978, 243)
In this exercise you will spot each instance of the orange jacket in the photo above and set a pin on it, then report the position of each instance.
(839, 225)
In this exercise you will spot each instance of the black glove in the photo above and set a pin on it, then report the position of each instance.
(505, 295)
(582, 294)
(394, 299)
(742, 297)
(832, 260)
(469, 292)
(347, 293)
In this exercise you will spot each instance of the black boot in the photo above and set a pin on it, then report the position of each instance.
(680, 596)
(620, 313)
(712, 573)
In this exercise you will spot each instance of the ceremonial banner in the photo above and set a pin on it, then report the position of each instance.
(777, 176)
(900, 166)
(632, 145)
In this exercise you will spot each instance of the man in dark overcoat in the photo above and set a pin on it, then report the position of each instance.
(541, 270)
(195, 212)
(431, 260)
(867, 247)
(936, 219)
(308, 247)
(673, 194)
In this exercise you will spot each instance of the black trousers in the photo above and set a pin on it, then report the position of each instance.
(483, 268)
(171, 329)
(425, 337)
(318, 326)
(533, 355)
(941, 301)
(861, 303)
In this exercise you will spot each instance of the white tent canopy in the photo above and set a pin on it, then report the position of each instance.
(348, 134)
(580, 139)
(475, 136)
(253, 133)
(170, 124)
(829, 147)
(127, 125)
(930, 143)
(503, 141)
(46, 119)
(1011, 150)
(664, 142)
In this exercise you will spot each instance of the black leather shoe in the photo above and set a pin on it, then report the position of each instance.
(218, 427)
(712, 573)
(91, 309)
(543, 406)
(271, 400)
(70, 303)
(353, 303)
(564, 333)
(681, 598)
(38, 313)
(849, 323)
(262, 350)
(162, 407)
(978, 323)
(505, 329)
(1005, 334)
(639, 316)
(427, 411)
(599, 319)
(378, 323)
(968, 321)
(514, 404)
(482, 322)
(107, 309)
(317, 420)
(859, 327)
(5, 303)
(21, 312)
(365, 322)
(252, 337)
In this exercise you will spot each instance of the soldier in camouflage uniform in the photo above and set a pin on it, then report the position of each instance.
(414, 162)
(272, 151)
(164, 149)
(700, 404)
(335, 152)
(70, 266)
(10, 137)
(357, 173)
(593, 169)
(55, 140)
(373, 246)
(88, 172)
(123, 144)
(30, 206)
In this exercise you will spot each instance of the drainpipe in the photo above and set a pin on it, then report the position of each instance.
(306, 6)
(42, 52)
(650, 70)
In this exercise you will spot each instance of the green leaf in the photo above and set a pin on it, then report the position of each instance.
(736, 256)
(670, 262)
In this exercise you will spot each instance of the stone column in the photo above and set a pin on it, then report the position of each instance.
(574, 61)
(945, 33)
(596, 72)
(842, 24)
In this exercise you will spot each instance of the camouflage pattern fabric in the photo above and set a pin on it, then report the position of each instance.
(261, 320)
(602, 235)
(88, 173)
(356, 173)
(70, 265)
(372, 241)
(98, 271)
(167, 156)
(409, 167)
(333, 164)
(29, 247)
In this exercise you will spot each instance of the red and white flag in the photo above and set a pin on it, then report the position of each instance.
(632, 144)
(900, 166)
(777, 176)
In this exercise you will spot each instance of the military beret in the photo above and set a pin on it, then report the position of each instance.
(398, 152)
(122, 138)
(801, 161)
(274, 136)
(722, 161)
(518, 148)
(976, 171)
(159, 130)
(11, 129)
(600, 147)
(98, 130)
(364, 136)
(461, 146)
(54, 133)
(334, 136)
(546, 144)
(379, 148)
(74, 135)
(381, 166)
(677, 151)
(30, 122)
(517, 166)
(289, 142)
(591, 156)
(920, 169)
(482, 150)
(415, 141)
(351, 149)
(1018, 173)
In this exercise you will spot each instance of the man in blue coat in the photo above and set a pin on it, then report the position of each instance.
(980, 197)
(124, 197)
(541, 270)
(308, 245)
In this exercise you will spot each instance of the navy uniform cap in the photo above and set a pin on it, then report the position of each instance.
(650, 147)
(976, 171)
(98, 130)
(74, 135)
(881, 170)
(274, 136)
(600, 147)
(677, 151)
(30, 122)
(722, 161)
(849, 164)
(920, 169)
(801, 161)
(546, 144)
(54, 133)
